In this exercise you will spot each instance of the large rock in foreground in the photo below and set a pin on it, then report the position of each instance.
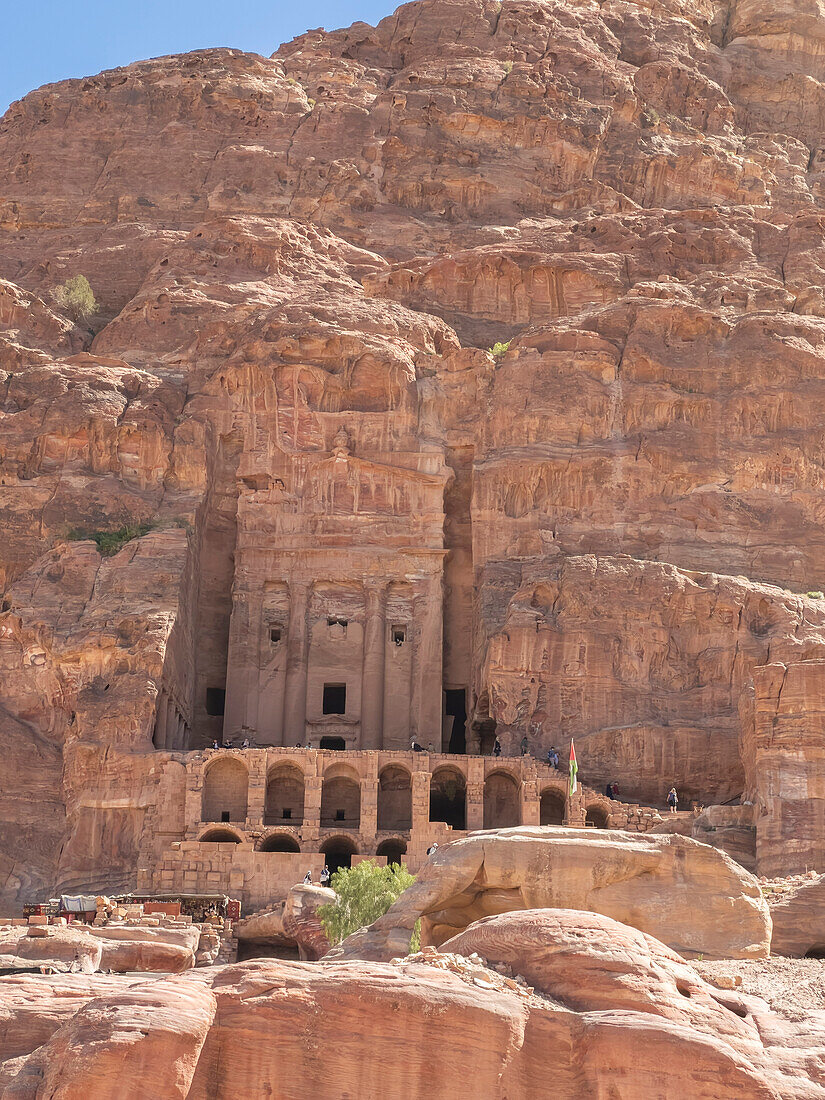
(692, 897)
(613, 1014)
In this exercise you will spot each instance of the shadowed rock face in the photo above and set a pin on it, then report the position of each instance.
(626, 499)
(605, 1006)
(692, 897)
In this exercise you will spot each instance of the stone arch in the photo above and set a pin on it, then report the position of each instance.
(502, 801)
(448, 797)
(225, 790)
(552, 807)
(395, 848)
(278, 842)
(284, 795)
(394, 799)
(220, 836)
(597, 816)
(340, 800)
(338, 852)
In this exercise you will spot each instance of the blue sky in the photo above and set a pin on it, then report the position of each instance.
(46, 40)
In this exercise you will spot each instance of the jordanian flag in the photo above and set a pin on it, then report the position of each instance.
(574, 770)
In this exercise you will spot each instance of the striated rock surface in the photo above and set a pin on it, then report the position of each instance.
(690, 896)
(798, 917)
(604, 1003)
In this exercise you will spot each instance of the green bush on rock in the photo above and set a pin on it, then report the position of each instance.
(365, 892)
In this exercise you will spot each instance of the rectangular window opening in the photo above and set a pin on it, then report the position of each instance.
(340, 815)
(215, 702)
(335, 698)
(287, 815)
(274, 634)
(224, 815)
(399, 635)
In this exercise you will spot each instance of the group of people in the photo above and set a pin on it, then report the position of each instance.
(323, 880)
(612, 790)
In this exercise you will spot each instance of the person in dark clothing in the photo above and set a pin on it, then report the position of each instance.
(325, 876)
(496, 747)
(525, 746)
(672, 800)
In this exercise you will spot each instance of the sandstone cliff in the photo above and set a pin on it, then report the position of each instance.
(301, 261)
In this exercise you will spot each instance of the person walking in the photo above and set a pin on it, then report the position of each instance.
(432, 848)
(672, 800)
(325, 876)
(496, 747)
(308, 878)
(525, 746)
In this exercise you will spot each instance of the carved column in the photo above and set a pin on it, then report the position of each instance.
(427, 702)
(372, 671)
(312, 808)
(420, 803)
(475, 793)
(256, 793)
(161, 719)
(297, 656)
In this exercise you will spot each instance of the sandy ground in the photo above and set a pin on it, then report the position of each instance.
(792, 987)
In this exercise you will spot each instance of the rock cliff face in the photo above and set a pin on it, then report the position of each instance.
(604, 530)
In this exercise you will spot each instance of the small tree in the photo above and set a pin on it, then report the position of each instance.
(365, 892)
(76, 298)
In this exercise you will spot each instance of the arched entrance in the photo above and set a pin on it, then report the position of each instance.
(284, 795)
(394, 849)
(596, 816)
(502, 805)
(552, 807)
(394, 799)
(338, 851)
(279, 842)
(340, 801)
(448, 797)
(225, 789)
(219, 836)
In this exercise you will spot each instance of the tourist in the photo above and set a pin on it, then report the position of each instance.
(615, 789)
(308, 878)
(672, 800)
(432, 848)
(325, 876)
(609, 790)
(414, 745)
(246, 742)
(215, 744)
(525, 746)
(496, 747)
(430, 746)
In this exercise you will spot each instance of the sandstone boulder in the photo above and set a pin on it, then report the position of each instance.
(692, 897)
(294, 922)
(139, 1044)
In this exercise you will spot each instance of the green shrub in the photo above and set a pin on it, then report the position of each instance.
(109, 542)
(311, 103)
(499, 349)
(816, 595)
(76, 298)
(650, 117)
(508, 67)
(365, 892)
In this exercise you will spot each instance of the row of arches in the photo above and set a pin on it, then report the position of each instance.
(225, 798)
(338, 850)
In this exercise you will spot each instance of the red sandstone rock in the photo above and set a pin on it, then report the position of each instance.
(621, 1009)
(326, 241)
